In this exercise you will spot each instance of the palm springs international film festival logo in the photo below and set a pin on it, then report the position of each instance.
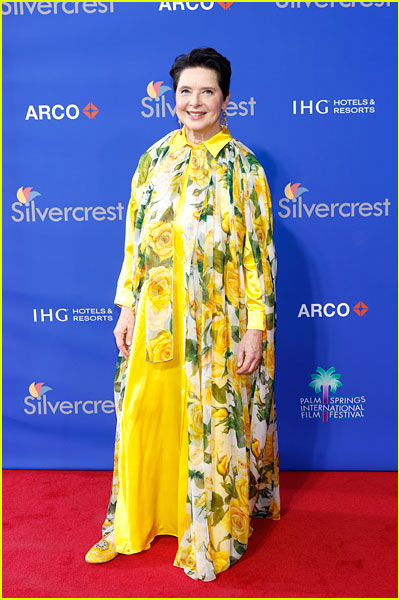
(25, 210)
(37, 403)
(293, 206)
(157, 105)
(330, 406)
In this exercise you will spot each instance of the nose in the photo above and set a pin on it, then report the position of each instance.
(195, 99)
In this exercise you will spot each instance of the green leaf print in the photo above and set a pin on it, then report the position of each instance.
(229, 490)
(198, 478)
(207, 458)
(206, 430)
(218, 515)
(168, 215)
(253, 491)
(270, 321)
(143, 167)
(239, 421)
(191, 350)
(216, 501)
(218, 260)
(219, 394)
(240, 548)
(257, 254)
(235, 333)
(265, 492)
(193, 474)
(152, 259)
(270, 300)
(179, 166)
(238, 213)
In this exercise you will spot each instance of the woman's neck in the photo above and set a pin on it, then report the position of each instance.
(199, 137)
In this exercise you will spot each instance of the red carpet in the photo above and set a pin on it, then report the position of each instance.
(337, 538)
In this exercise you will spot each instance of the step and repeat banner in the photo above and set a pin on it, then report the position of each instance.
(86, 92)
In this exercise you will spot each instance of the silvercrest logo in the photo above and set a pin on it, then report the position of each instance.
(25, 209)
(55, 8)
(330, 4)
(295, 207)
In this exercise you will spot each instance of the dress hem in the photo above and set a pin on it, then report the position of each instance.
(149, 544)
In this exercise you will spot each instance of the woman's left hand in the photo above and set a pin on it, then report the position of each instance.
(249, 351)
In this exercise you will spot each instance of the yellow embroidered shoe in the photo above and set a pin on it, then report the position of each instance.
(101, 552)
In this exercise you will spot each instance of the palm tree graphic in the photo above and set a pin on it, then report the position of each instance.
(325, 380)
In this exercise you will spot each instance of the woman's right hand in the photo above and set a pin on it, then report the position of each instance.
(124, 330)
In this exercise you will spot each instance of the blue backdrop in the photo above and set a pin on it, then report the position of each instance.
(314, 95)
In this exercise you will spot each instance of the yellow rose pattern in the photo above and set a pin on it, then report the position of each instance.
(233, 447)
(119, 391)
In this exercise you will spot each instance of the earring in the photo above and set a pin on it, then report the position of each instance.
(180, 126)
(224, 120)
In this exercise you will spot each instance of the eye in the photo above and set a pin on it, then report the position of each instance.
(208, 91)
(184, 91)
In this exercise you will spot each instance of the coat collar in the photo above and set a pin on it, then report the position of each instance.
(214, 145)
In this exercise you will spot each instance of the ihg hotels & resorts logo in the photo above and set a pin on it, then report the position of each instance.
(330, 406)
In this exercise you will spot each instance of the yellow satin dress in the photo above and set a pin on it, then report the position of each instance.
(153, 451)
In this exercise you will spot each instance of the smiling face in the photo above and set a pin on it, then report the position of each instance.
(199, 101)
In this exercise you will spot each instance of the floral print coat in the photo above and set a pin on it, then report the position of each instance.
(233, 447)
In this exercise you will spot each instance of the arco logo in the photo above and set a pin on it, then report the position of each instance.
(25, 195)
(360, 308)
(329, 309)
(58, 112)
(192, 6)
(174, 6)
(91, 110)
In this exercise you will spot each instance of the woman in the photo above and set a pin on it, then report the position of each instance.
(196, 451)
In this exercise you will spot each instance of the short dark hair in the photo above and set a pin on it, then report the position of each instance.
(204, 57)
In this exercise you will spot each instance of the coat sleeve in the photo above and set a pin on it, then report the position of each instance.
(123, 295)
(259, 231)
(253, 291)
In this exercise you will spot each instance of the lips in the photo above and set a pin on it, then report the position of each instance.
(195, 115)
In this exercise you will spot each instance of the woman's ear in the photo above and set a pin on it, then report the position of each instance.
(226, 101)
